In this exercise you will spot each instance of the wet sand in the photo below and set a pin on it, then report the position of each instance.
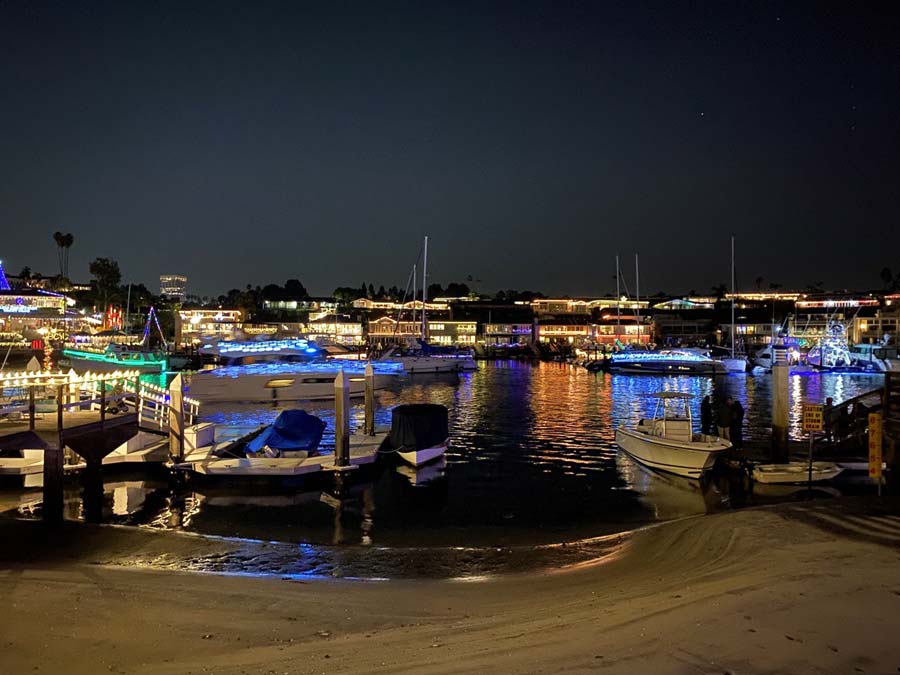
(809, 588)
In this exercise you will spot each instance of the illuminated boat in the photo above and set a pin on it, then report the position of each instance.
(115, 357)
(428, 359)
(285, 381)
(876, 358)
(667, 442)
(240, 353)
(665, 362)
(832, 352)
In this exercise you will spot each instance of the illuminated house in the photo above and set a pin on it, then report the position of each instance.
(341, 329)
(387, 329)
(873, 324)
(564, 329)
(192, 325)
(508, 333)
(31, 312)
(457, 333)
(173, 286)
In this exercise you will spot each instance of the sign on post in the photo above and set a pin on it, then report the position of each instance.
(875, 456)
(812, 417)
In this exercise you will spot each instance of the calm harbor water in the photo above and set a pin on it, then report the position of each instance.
(532, 462)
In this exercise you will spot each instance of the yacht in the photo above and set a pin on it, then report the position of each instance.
(876, 358)
(832, 352)
(115, 357)
(665, 362)
(667, 441)
(279, 370)
(427, 359)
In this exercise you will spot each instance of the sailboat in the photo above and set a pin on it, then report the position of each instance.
(421, 357)
(120, 356)
(734, 363)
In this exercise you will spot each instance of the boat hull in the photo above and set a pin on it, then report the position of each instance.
(255, 388)
(795, 472)
(434, 364)
(84, 365)
(649, 367)
(424, 455)
(689, 459)
(735, 365)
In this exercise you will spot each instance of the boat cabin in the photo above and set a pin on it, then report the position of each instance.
(671, 418)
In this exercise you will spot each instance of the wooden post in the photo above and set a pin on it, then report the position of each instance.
(102, 403)
(176, 419)
(31, 407)
(370, 400)
(59, 407)
(341, 420)
(72, 378)
(781, 397)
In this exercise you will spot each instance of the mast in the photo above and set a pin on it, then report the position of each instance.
(637, 294)
(732, 296)
(415, 292)
(424, 288)
(618, 298)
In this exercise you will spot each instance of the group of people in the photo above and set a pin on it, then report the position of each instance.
(729, 420)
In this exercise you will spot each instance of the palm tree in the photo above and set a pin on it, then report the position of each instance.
(63, 243)
(719, 291)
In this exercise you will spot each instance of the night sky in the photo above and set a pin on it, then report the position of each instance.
(254, 142)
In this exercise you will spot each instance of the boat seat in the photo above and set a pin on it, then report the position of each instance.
(674, 429)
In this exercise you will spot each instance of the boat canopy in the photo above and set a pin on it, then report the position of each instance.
(293, 430)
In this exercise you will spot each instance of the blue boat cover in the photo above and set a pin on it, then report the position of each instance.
(292, 430)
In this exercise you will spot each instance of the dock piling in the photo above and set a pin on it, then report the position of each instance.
(781, 397)
(176, 419)
(341, 420)
(31, 408)
(370, 400)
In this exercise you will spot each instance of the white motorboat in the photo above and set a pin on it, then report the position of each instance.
(667, 441)
(665, 362)
(736, 364)
(427, 360)
(301, 381)
(795, 472)
(876, 358)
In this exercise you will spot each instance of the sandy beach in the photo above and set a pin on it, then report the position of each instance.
(804, 588)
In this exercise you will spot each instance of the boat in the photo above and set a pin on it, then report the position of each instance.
(285, 381)
(423, 358)
(734, 363)
(832, 353)
(295, 433)
(795, 472)
(876, 358)
(667, 442)
(419, 432)
(115, 357)
(665, 362)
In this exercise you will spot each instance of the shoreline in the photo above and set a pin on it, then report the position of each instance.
(790, 588)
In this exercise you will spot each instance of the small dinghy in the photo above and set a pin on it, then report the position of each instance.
(295, 433)
(794, 472)
(420, 432)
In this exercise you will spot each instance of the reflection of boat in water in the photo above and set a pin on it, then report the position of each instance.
(795, 472)
(665, 362)
(667, 441)
(669, 496)
(422, 475)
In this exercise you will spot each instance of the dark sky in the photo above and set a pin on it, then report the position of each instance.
(252, 142)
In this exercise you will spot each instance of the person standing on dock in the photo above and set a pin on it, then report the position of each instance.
(724, 419)
(737, 425)
(706, 416)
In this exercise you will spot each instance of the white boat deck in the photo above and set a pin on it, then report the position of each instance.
(363, 451)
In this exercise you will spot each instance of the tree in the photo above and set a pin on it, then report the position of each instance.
(719, 290)
(345, 295)
(457, 290)
(434, 291)
(887, 278)
(63, 243)
(294, 290)
(107, 277)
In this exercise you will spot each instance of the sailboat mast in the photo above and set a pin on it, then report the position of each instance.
(732, 296)
(618, 298)
(424, 287)
(637, 294)
(415, 292)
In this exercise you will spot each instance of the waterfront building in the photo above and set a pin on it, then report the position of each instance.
(563, 329)
(340, 329)
(497, 334)
(193, 325)
(871, 325)
(456, 333)
(173, 286)
(386, 329)
(814, 315)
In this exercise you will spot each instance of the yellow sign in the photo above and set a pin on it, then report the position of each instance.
(812, 417)
(875, 456)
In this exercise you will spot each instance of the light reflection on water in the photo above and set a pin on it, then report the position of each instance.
(532, 460)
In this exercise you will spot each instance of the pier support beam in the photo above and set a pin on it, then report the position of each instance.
(370, 400)
(176, 419)
(781, 400)
(341, 420)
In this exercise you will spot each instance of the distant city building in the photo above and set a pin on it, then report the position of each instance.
(173, 286)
